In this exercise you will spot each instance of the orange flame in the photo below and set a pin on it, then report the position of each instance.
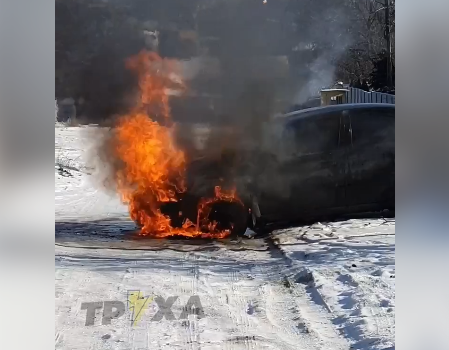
(152, 170)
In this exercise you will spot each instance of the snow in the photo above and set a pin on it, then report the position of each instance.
(353, 269)
(327, 286)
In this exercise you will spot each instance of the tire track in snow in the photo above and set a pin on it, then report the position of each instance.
(240, 320)
(175, 273)
(193, 341)
(317, 318)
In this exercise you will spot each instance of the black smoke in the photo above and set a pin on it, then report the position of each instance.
(243, 77)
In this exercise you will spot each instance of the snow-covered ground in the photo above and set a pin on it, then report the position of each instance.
(327, 286)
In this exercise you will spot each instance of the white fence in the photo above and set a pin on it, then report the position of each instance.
(355, 95)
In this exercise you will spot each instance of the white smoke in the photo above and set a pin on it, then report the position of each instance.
(331, 31)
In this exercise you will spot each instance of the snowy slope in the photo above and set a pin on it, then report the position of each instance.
(297, 291)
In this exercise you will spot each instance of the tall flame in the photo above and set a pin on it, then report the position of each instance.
(153, 168)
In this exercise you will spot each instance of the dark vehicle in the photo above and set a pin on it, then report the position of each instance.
(317, 164)
(337, 160)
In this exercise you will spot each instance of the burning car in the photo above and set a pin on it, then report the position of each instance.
(311, 165)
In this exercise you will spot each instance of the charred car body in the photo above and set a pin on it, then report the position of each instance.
(311, 165)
